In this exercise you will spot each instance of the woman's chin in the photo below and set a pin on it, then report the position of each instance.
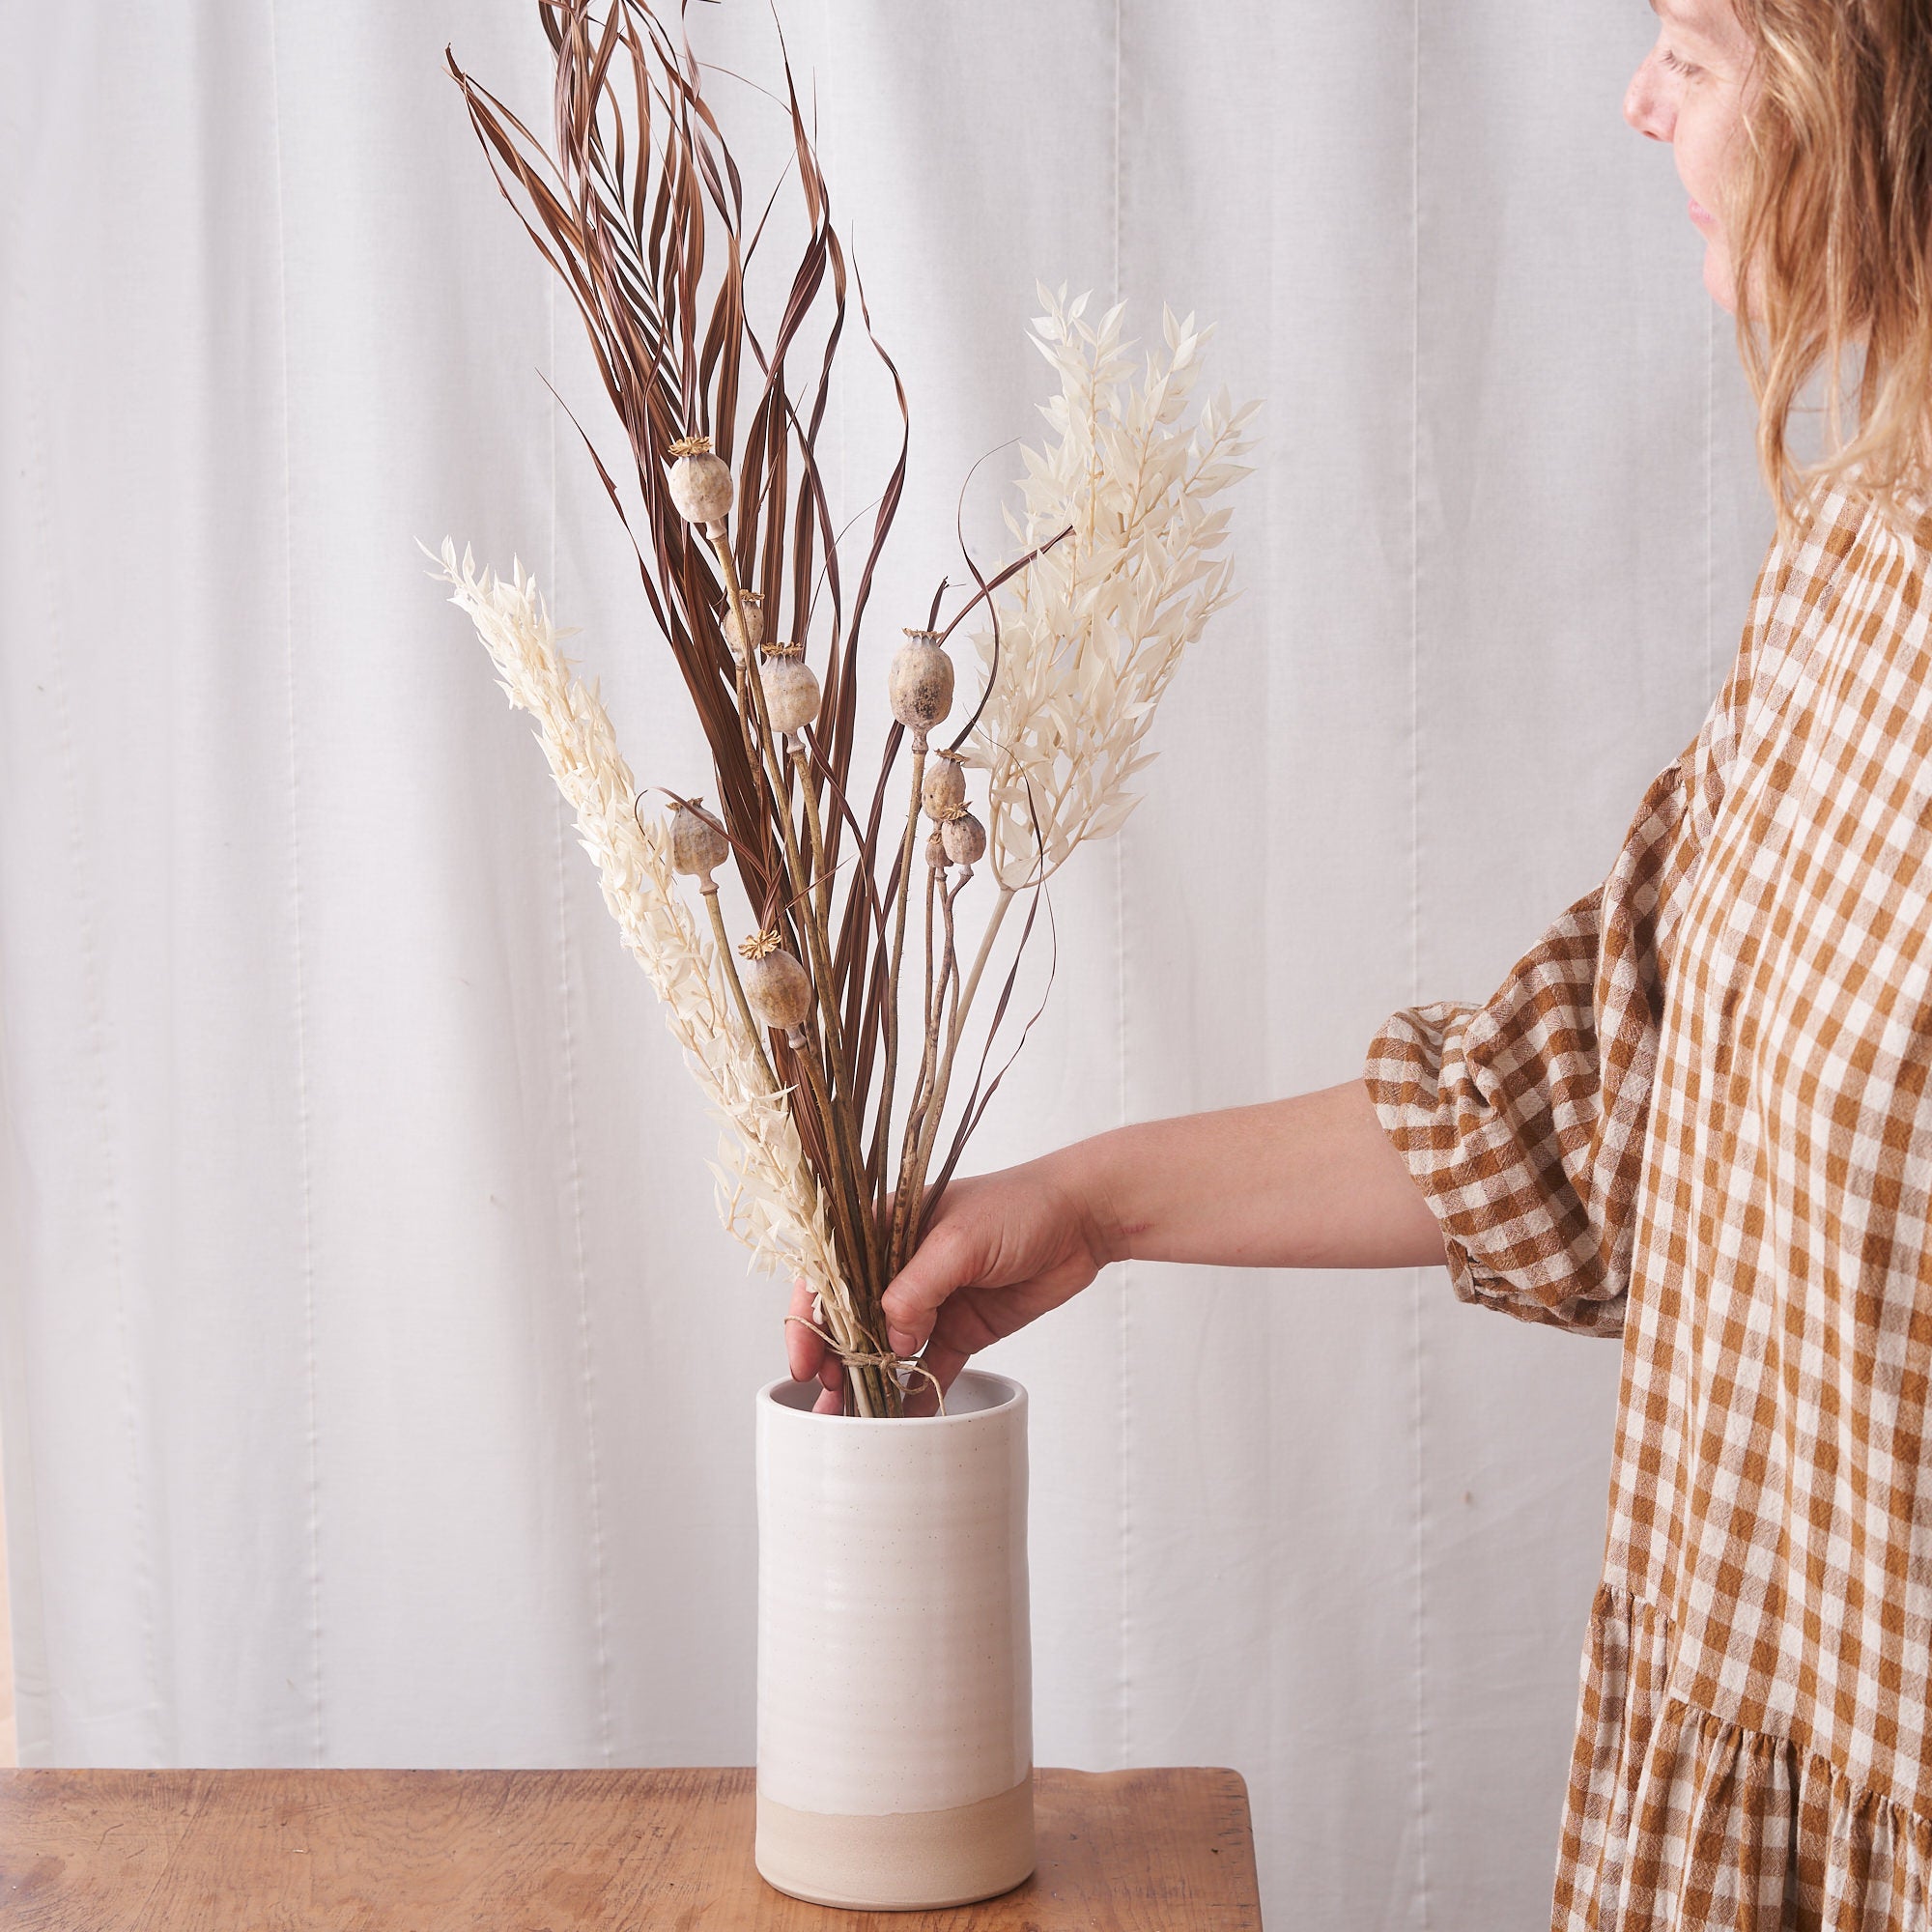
(1718, 279)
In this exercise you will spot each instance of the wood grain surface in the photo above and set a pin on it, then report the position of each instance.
(562, 1851)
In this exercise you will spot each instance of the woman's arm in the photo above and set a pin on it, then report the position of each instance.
(1307, 1183)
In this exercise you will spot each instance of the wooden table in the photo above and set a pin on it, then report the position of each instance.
(562, 1851)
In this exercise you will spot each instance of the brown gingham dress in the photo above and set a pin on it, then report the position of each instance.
(1696, 1116)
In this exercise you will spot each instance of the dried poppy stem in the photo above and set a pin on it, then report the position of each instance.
(780, 993)
(933, 1009)
(801, 879)
(821, 874)
(935, 1109)
(753, 1031)
(933, 875)
(698, 847)
(883, 1128)
(1005, 897)
(951, 974)
(930, 1100)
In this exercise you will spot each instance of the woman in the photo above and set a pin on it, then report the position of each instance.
(1696, 1116)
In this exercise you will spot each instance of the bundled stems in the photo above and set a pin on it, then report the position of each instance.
(866, 1378)
(850, 1195)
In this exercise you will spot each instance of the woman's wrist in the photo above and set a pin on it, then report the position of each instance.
(1095, 1183)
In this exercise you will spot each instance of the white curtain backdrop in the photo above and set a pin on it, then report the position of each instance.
(377, 1381)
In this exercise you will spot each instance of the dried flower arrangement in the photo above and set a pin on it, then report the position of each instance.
(833, 1106)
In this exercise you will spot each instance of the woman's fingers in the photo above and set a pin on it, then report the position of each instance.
(996, 1256)
(957, 1336)
(966, 1323)
(942, 1263)
(942, 1361)
(921, 1397)
(804, 1353)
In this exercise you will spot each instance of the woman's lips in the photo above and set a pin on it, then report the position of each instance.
(1701, 215)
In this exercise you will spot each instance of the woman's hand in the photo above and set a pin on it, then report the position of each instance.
(1307, 1183)
(1001, 1249)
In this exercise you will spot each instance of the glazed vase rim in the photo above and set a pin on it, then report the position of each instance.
(1013, 1395)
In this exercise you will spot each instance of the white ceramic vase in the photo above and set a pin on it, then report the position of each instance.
(895, 1656)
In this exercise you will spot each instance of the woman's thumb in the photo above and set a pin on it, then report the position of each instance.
(919, 1291)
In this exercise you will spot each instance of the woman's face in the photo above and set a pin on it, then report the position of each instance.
(1690, 92)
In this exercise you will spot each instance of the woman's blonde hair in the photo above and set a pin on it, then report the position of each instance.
(1831, 215)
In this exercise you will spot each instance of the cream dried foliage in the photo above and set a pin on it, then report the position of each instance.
(1090, 633)
(767, 1194)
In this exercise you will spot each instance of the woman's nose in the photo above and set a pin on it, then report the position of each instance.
(1645, 105)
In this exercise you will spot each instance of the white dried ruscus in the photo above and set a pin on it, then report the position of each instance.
(1090, 633)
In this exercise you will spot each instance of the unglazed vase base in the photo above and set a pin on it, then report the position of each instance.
(905, 1861)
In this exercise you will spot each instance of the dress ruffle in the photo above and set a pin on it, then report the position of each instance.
(1679, 1819)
